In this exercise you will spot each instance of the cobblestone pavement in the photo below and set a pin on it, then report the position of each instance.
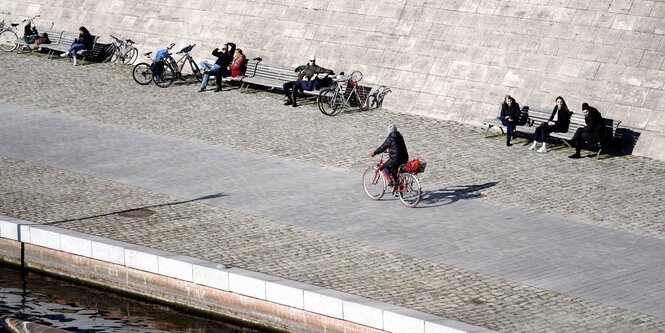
(624, 193)
(49, 195)
(457, 156)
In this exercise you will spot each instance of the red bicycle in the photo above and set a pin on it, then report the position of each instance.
(375, 182)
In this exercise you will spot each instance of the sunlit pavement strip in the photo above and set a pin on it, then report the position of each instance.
(303, 222)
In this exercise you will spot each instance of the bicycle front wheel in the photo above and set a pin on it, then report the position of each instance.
(196, 71)
(8, 40)
(142, 73)
(167, 77)
(374, 183)
(409, 191)
(328, 102)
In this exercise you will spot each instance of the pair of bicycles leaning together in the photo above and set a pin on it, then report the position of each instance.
(164, 69)
(376, 180)
(346, 92)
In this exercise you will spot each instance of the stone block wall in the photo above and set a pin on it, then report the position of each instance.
(449, 59)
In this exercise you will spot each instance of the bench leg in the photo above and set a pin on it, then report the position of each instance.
(488, 129)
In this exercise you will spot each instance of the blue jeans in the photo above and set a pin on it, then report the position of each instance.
(509, 128)
(75, 48)
(214, 70)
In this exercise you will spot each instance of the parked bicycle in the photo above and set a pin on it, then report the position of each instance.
(344, 93)
(375, 99)
(143, 72)
(375, 182)
(172, 69)
(9, 36)
(122, 52)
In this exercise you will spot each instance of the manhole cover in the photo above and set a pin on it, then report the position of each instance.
(141, 212)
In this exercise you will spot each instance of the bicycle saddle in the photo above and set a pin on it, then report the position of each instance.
(14, 25)
(186, 49)
(130, 41)
(147, 53)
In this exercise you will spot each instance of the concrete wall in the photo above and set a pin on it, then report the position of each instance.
(451, 59)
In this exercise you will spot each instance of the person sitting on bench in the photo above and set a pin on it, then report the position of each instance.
(558, 122)
(591, 134)
(85, 41)
(220, 68)
(510, 114)
(306, 80)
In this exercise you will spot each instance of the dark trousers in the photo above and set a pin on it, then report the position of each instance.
(292, 88)
(582, 137)
(543, 131)
(223, 72)
(391, 170)
(510, 128)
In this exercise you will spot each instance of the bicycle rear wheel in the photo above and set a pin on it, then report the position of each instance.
(142, 73)
(362, 100)
(196, 71)
(410, 193)
(131, 55)
(374, 183)
(8, 40)
(166, 79)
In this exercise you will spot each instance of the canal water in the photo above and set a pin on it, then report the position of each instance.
(63, 304)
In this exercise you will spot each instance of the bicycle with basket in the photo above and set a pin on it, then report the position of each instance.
(375, 181)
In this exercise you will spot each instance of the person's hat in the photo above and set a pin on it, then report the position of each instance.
(312, 58)
(392, 128)
(585, 106)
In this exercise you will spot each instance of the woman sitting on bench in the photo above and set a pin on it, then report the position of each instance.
(558, 122)
(84, 41)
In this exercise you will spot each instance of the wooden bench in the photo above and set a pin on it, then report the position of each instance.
(251, 68)
(576, 121)
(61, 42)
(271, 76)
(496, 122)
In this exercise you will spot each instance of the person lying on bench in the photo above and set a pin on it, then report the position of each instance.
(306, 80)
(591, 134)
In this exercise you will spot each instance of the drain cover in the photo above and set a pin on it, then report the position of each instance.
(141, 212)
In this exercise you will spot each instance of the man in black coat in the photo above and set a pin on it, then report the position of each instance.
(221, 67)
(591, 134)
(397, 153)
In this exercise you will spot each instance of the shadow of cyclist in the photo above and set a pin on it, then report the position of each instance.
(452, 194)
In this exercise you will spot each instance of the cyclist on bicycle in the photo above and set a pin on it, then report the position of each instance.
(397, 153)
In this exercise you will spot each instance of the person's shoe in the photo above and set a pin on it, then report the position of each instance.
(202, 89)
(508, 144)
(218, 89)
(288, 102)
(576, 155)
(62, 55)
(542, 149)
(294, 104)
(533, 146)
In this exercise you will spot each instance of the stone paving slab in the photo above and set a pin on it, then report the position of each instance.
(257, 123)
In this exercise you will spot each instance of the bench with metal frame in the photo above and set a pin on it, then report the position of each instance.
(535, 118)
(61, 42)
(272, 77)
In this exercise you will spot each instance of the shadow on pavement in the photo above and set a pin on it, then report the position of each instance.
(139, 211)
(452, 194)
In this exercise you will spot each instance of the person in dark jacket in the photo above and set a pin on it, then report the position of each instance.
(397, 153)
(558, 122)
(220, 69)
(510, 114)
(84, 41)
(591, 134)
(306, 80)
